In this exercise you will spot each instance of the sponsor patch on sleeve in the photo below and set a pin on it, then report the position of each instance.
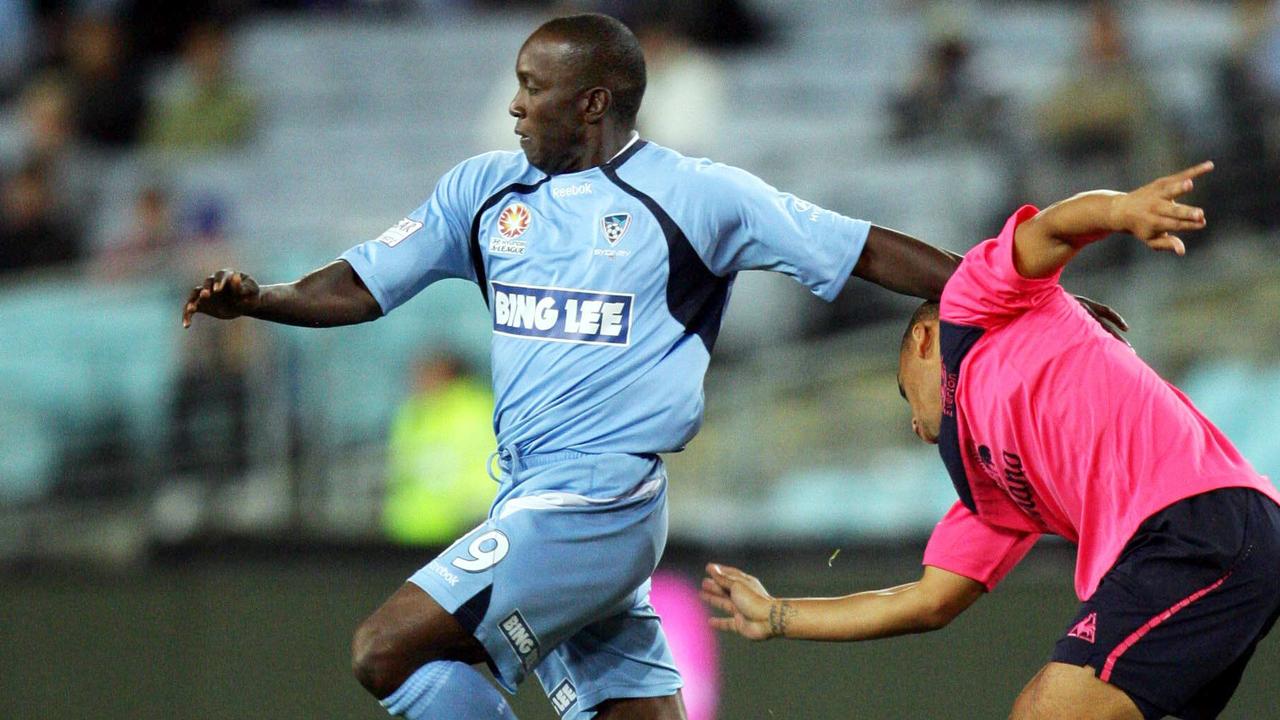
(398, 232)
(562, 315)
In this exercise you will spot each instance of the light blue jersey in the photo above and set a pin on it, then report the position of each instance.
(606, 286)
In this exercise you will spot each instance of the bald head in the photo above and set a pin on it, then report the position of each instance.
(601, 52)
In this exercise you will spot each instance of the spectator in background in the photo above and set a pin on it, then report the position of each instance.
(1101, 122)
(943, 100)
(17, 36)
(167, 23)
(146, 250)
(684, 100)
(46, 134)
(1248, 83)
(106, 86)
(437, 485)
(36, 230)
(205, 108)
(48, 122)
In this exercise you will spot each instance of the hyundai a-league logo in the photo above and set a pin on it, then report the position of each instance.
(513, 221)
(615, 226)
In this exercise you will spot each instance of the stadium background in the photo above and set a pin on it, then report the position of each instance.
(192, 523)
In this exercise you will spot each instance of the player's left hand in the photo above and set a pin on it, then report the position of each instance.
(742, 597)
(1107, 317)
(1153, 214)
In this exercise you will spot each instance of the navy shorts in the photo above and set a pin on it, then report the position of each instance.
(1176, 619)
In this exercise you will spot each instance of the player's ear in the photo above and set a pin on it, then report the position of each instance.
(595, 103)
(921, 340)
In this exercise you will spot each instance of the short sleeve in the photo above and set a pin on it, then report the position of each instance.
(986, 290)
(432, 243)
(743, 223)
(965, 545)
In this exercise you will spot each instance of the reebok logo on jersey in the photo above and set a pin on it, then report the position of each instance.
(1086, 629)
(562, 315)
(568, 191)
(521, 639)
(563, 697)
(398, 232)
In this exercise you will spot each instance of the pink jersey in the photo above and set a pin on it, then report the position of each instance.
(1056, 427)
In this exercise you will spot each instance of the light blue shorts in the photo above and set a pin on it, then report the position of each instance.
(557, 579)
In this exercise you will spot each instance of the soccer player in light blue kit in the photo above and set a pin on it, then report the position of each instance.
(606, 262)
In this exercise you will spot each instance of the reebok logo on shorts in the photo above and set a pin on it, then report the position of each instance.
(1086, 629)
(563, 697)
(521, 639)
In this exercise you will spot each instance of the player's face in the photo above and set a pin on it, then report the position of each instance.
(920, 383)
(548, 106)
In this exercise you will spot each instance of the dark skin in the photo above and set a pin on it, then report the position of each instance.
(565, 125)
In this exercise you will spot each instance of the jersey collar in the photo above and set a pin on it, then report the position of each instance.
(635, 135)
(631, 148)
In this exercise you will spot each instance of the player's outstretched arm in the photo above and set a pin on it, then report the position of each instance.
(332, 295)
(1048, 241)
(930, 603)
(909, 266)
(903, 264)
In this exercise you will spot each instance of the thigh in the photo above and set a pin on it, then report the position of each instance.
(1067, 692)
(406, 632)
(619, 666)
(422, 630)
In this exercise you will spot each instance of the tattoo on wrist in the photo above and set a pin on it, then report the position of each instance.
(780, 613)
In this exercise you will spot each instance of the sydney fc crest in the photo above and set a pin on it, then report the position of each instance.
(615, 226)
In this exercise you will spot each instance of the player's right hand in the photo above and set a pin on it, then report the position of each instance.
(1152, 213)
(742, 598)
(225, 294)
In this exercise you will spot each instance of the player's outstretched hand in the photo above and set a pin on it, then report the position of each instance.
(742, 598)
(225, 294)
(1152, 213)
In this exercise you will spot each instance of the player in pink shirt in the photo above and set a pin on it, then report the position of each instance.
(1048, 424)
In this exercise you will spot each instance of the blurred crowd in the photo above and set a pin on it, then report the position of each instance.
(82, 80)
(1107, 123)
(84, 83)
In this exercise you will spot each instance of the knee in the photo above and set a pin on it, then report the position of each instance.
(375, 660)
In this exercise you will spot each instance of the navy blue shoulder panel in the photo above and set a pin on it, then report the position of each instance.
(477, 257)
(955, 342)
(696, 297)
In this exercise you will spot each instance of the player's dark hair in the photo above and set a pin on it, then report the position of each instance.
(927, 311)
(605, 54)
